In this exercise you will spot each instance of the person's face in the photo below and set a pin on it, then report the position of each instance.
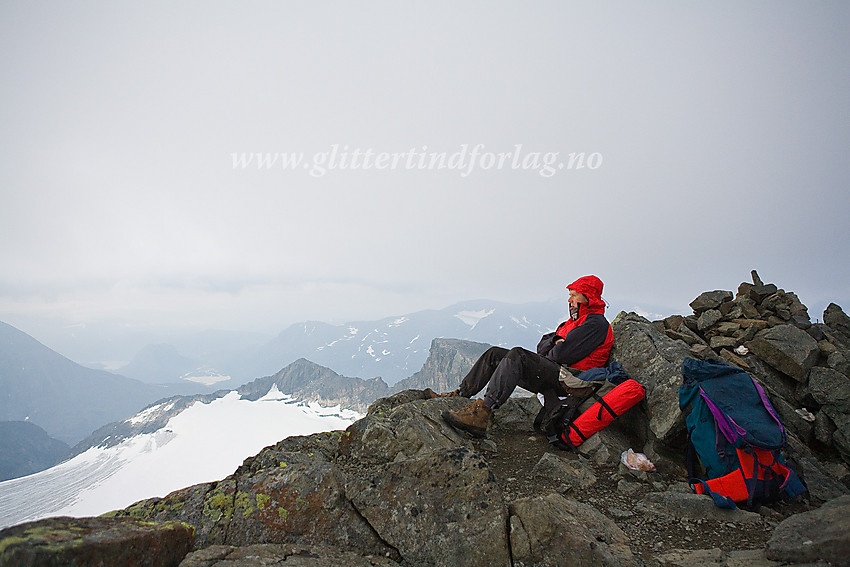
(576, 298)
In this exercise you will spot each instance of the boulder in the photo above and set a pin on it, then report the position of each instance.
(299, 502)
(554, 530)
(282, 554)
(655, 361)
(574, 473)
(710, 300)
(708, 319)
(702, 351)
(818, 535)
(731, 310)
(776, 383)
(727, 328)
(830, 387)
(838, 361)
(824, 428)
(720, 342)
(690, 338)
(95, 541)
(189, 501)
(684, 333)
(394, 429)
(715, 557)
(841, 440)
(734, 359)
(835, 318)
(693, 506)
(441, 509)
(747, 306)
(517, 414)
(760, 292)
(673, 322)
(788, 349)
(793, 419)
(822, 485)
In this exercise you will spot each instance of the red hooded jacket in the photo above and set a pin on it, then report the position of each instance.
(590, 287)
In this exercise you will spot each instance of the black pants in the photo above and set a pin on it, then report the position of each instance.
(502, 370)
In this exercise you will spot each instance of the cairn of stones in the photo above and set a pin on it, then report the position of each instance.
(767, 331)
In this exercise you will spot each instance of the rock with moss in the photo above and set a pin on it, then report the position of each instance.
(300, 502)
(95, 541)
(443, 508)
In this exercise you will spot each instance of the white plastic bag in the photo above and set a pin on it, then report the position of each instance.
(636, 461)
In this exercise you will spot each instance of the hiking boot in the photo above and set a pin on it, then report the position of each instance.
(473, 418)
(432, 394)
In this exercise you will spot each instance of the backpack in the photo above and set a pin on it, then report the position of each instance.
(559, 418)
(735, 434)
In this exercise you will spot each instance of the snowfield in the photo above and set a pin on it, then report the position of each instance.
(205, 442)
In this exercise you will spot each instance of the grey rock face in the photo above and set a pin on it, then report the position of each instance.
(392, 432)
(292, 555)
(448, 362)
(694, 506)
(654, 360)
(835, 317)
(715, 557)
(830, 387)
(574, 473)
(554, 530)
(788, 349)
(441, 509)
(818, 535)
(708, 319)
(710, 300)
(759, 292)
(841, 439)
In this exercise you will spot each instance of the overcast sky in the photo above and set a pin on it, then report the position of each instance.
(708, 139)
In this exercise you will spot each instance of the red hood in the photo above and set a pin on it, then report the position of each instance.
(591, 288)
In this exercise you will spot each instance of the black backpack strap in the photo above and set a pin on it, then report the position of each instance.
(603, 405)
(562, 418)
(551, 403)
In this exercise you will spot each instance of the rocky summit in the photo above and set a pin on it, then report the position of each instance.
(401, 487)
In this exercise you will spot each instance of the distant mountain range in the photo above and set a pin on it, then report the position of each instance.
(448, 361)
(70, 402)
(67, 400)
(391, 348)
(26, 448)
(396, 347)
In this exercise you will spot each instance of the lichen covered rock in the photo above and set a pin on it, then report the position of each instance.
(116, 542)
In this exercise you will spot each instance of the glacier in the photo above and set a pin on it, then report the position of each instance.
(205, 442)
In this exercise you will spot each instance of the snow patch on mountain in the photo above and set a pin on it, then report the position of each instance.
(149, 414)
(472, 318)
(203, 443)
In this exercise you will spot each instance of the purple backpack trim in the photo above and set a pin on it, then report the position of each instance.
(730, 430)
(768, 405)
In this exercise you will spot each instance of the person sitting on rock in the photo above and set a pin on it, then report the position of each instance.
(582, 342)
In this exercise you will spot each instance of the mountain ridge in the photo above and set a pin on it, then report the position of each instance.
(62, 397)
(396, 347)
(25, 448)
